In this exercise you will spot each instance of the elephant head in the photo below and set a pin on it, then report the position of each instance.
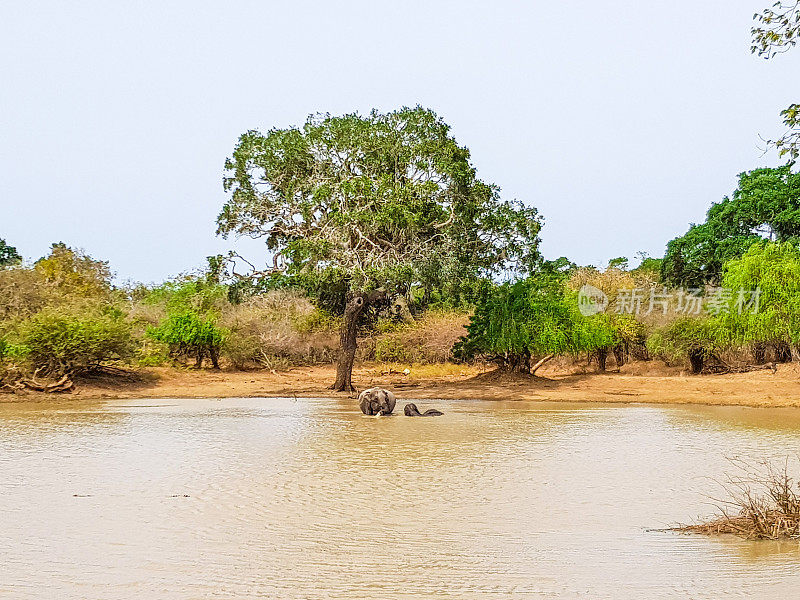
(411, 410)
(376, 401)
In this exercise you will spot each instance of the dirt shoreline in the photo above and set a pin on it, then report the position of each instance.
(631, 385)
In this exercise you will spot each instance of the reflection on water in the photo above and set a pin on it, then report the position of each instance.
(277, 498)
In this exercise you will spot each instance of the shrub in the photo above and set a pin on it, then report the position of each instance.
(188, 293)
(429, 339)
(687, 339)
(73, 339)
(187, 311)
(611, 281)
(23, 292)
(278, 329)
(516, 322)
(774, 270)
(189, 334)
(151, 352)
(74, 273)
(761, 503)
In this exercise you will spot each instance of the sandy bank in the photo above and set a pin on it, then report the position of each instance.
(759, 389)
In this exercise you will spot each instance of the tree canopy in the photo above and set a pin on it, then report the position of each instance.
(766, 204)
(538, 318)
(518, 321)
(73, 271)
(388, 199)
(772, 272)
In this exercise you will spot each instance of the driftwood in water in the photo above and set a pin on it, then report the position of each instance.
(762, 503)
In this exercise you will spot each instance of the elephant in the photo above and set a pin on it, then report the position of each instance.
(411, 410)
(376, 401)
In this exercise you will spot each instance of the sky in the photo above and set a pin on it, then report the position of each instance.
(619, 121)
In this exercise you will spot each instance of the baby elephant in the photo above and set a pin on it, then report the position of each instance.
(411, 410)
(376, 401)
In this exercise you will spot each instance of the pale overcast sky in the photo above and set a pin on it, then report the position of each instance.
(620, 121)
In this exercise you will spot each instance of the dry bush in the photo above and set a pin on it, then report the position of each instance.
(149, 352)
(610, 281)
(429, 339)
(23, 292)
(143, 314)
(276, 330)
(762, 502)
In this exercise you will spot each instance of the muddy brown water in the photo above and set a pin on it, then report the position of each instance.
(283, 498)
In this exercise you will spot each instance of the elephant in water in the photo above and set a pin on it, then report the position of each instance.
(376, 401)
(411, 410)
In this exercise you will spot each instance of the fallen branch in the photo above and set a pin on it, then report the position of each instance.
(540, 363)
(723, 369)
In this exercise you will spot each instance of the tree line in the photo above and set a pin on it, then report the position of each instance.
(365, 216)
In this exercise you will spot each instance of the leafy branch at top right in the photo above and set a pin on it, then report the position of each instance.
(776, 31)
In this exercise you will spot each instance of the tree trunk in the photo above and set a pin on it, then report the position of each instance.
(213, 352)
(783, 352)
(619, 354)
(199, 361)
(602, 356)
(516, 362)
(349, 342)
(696, 359)
(539, 363)
(759, 353)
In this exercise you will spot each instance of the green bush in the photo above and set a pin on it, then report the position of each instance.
(688, 339)
(517, 323)
(774, 270)
(151, 353)
(392, 349)
(72, 339)
(514, 323)
(196, 294)
(190, 334)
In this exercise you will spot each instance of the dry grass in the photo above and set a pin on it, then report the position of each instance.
(429, 339)
(23, 293)
(422, 371)
(278, 329)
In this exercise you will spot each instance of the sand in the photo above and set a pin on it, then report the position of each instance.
(636, 383)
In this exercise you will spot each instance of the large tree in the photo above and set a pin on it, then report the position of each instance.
(766, 204)
(776, 31)
(390, 201)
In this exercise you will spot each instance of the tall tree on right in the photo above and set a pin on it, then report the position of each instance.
(765, 205)
(776, 31)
